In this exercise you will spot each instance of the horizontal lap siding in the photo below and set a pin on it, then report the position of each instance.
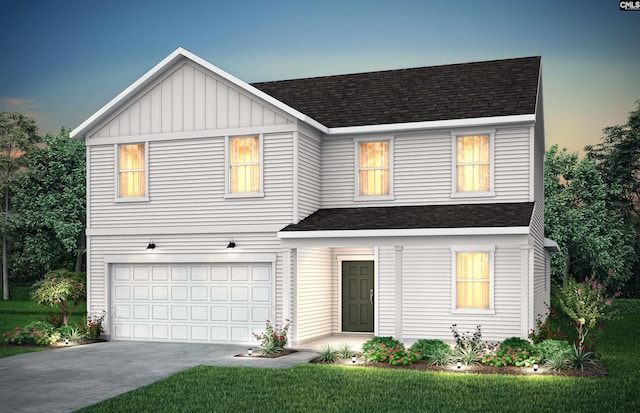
(542, 280)
(173, 244)
(423, 169)
(426, 295)
(187, 186)
(308, 175)
(189, 99)
(386, 292)
(316, 290)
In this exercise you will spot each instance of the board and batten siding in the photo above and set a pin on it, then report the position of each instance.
(423, 169)
(308, 175)
(187, 186)
(426, 295)
(190, 98)
(212, 244)
(315, 295)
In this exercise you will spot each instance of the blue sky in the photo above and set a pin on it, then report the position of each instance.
(63, 60)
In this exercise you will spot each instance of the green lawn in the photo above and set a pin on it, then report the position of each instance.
(317, 388)
(15, 313)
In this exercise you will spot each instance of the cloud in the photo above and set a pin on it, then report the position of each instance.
(13, 104)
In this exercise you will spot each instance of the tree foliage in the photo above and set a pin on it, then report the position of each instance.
(51, 203)
(61, 289)
(17, 138)
(592, 239)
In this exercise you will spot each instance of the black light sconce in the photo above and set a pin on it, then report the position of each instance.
(231, 244)
(151, 245)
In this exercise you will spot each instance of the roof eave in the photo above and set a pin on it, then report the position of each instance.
(415, 232)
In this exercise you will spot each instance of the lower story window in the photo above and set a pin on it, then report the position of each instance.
(473, 280)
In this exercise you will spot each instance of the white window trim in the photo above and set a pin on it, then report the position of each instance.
(454, 166)
(117, 197)
(356, 170)
(227, 172)
(454, 273)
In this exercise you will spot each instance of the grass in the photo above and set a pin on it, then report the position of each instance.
(15, 313)
(315, 388)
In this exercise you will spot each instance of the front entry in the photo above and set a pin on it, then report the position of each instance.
(357, 296)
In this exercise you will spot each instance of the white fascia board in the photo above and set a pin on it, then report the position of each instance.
(551, 246)
(167, 62)
(418, 232)
(436, 124)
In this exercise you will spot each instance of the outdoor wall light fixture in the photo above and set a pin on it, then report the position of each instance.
(231, 244)
(250, 352)
(151, 245)
(535, 366)
(459, 364)
(353, 359)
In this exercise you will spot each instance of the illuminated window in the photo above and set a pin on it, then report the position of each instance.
(132, 180)
(374, 170)
(473, 163)
(244, 164)
(473, 280)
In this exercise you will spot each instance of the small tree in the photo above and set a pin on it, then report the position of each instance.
(586, 304)
(62, 289)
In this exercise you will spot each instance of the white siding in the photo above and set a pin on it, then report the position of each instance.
(541, 280)
(308, 175)
(174, 244)
(423, 165)
(187, 186)
(386, 292)
(316, 292)
(426, 295)
(187, 99)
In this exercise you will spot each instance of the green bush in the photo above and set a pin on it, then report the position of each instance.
(63, 290)
(441, 356)
(397, 355)
(427, 348)
(549, 349)
(37, 332)
(516, 343)
(388, 341)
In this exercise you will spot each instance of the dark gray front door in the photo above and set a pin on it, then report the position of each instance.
(357, 296)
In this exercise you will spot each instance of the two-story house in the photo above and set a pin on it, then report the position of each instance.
(393, 203)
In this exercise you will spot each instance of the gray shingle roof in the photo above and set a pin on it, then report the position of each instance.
(412, 217)
(458, 91)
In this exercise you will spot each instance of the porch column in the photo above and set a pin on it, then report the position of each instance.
(398, 251)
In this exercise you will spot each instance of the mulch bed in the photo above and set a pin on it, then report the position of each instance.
(599, 370)
(59, 344)
(258, 354)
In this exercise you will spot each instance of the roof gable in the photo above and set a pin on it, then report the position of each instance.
(425, 94)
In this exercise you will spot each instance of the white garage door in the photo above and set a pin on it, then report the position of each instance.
(190, 303)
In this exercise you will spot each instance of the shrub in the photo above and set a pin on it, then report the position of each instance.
(62, 289)
(344, 351)
(558, 361)
(466, 340)
(580, 357)
(468, 354)
(428, 347)
(328, 354)
(392, 355)
(72, 333)
(92, 328)
(441, 356)
(517, 343)
(550, 348)
(388, 341)
(506, 355)
(37, 332)
(274, 338)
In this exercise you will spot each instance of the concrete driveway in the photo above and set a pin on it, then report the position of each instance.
(67, 379)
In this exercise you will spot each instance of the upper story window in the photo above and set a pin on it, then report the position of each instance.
(375, 172)
(132, 171)
(473, 279)
(245, 165)
(473, 165)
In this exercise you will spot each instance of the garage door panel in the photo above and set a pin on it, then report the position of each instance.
(191, 302)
